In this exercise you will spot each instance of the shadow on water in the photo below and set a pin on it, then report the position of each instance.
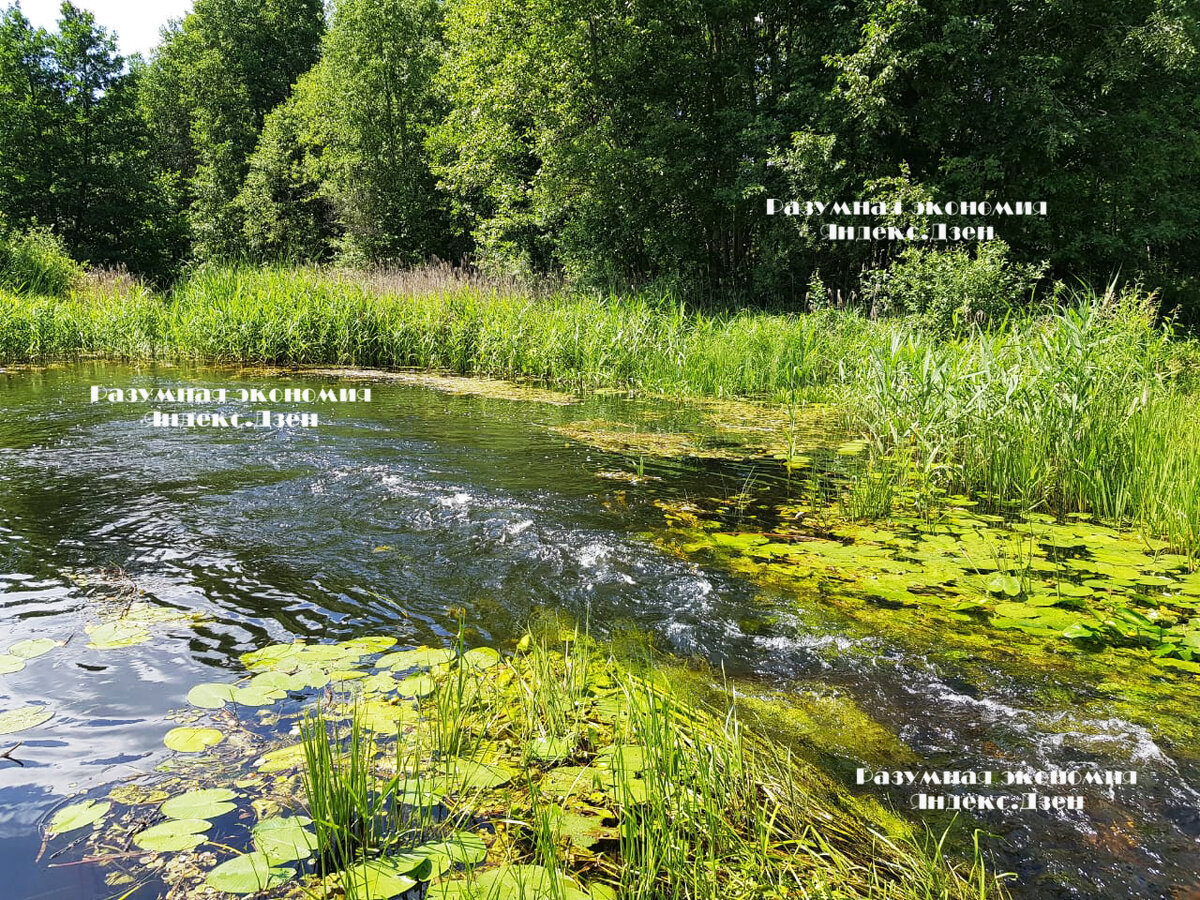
(392, 514)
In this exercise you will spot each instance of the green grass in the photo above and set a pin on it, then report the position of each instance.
(1090, 408)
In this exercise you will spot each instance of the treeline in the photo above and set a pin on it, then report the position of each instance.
(613, 143)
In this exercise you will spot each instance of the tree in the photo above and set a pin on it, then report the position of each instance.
(74, 154)
(213, 81)
(351, 142)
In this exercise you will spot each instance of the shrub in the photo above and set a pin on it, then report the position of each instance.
(950, 289)
(36, 262)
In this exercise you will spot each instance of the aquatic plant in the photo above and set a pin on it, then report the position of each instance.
(582, 779)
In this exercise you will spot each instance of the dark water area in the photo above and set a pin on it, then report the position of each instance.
(394, 514)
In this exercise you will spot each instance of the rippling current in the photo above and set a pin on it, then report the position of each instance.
(388, 517)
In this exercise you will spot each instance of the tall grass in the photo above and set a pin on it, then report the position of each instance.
(1089, 408)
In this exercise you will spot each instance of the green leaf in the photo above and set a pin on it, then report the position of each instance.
(282, 759)
(481, 658)
(460, 847)
(416, 686)
(173, 836)
(1078, 631)
(211, 695)
(192, 740)
(78, 815)
(116, 635)
(26, 717)
(10, 664)
(1004, 584)
(284, 839)
(248, 874)
(382, 879)
(31, 649)
(203, 804)
(420, 658)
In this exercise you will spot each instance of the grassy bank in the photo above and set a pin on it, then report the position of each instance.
(1088, 408)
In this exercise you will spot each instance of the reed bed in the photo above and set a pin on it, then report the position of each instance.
(1090, 407)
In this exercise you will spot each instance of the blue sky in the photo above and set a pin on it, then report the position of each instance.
(136, 22)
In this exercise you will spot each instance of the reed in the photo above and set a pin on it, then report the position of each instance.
(1087, 408)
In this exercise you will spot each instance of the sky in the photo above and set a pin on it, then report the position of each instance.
(136, 22)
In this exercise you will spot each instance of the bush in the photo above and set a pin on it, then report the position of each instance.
(36, 262)
(950, 289)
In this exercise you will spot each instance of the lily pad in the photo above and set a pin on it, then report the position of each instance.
(1004, 584)
(481, 657)
(382, 879)
(203, 804)
(420, 658)
(211, 695)
(33, 648)
(10, 664)
(78, 815)
(173, 836)
(26, 717)
(192, 740)
(248, 874)
(284, 839)
(416, 686)
(116, 635)
(462, 847)
(282, 759)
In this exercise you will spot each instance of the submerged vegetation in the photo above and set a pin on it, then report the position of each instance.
(1089, 407)
(551, 773)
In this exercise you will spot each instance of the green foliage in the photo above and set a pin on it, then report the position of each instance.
(951, 290)
(74, 153)
(342, 164)
(205, 95)
(35, 262)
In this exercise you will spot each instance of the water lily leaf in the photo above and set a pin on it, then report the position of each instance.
(416, 686)
(26, 717)
(282, 759)
(551, 748)
(527, 883)
(481, 658)
(251, 696)
(284, 839)
(1067, 589)
(370, 644)
(33, 648)
(203, 804)
(1078, 631)
(463, 847)
(381, 879)
(584, 830)
(211, 695)
(248, 874)
(192, 740)
(384, 718)
(78, 815)
(173, 836)
(420, 658)
(469, 774)
(624, 757)
(1004, 584)
(116, 635)
(10, 664)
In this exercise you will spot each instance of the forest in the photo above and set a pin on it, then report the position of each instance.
(615, 145)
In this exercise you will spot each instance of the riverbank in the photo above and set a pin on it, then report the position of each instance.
(1090, 408)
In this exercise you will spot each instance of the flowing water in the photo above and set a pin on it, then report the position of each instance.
(393, 514)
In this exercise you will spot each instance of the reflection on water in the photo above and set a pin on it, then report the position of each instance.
(383, 520)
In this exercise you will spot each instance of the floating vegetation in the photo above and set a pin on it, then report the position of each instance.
(24, 718)
(552, 773)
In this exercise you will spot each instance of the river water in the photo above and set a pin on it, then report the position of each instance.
(393, 514)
